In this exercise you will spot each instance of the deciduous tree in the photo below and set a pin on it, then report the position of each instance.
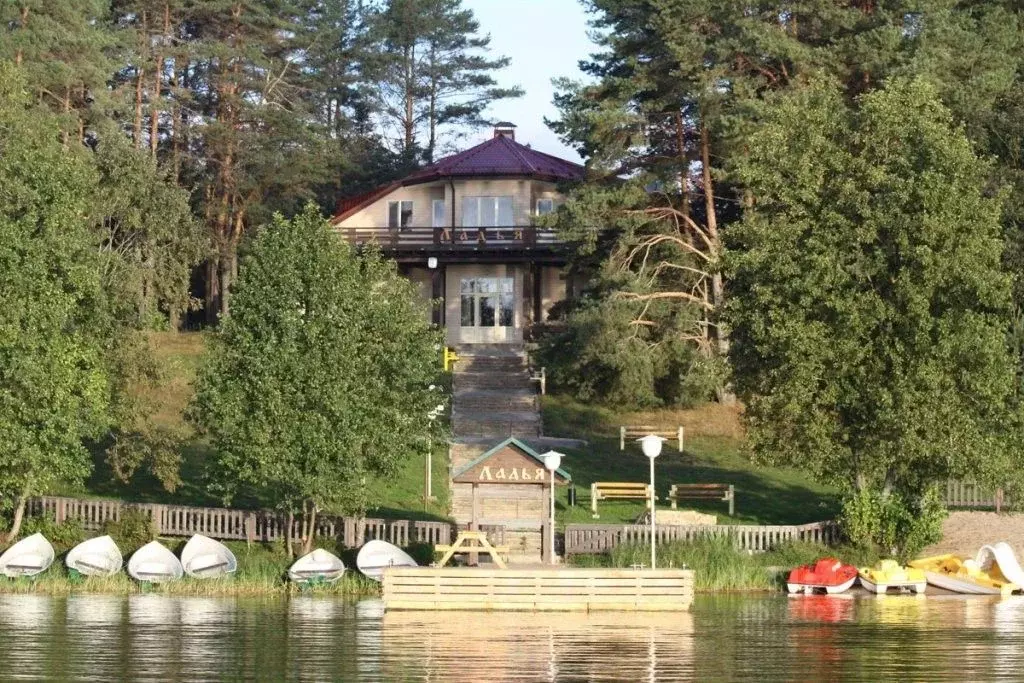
(320, 376)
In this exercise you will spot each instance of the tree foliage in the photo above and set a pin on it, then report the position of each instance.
(321, 376)
(868, 305)
(55, 325)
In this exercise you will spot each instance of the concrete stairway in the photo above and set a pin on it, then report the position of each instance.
(493, 394)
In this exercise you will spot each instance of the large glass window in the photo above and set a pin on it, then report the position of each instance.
(438, 213)
(488, 302)
(399, 214)
(487, 212)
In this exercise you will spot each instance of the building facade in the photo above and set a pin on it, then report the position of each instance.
(465, 231)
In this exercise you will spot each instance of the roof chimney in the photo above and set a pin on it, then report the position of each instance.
(504, 129)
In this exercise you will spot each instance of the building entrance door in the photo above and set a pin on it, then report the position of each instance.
(487, 309)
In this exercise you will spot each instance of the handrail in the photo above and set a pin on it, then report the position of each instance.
(462, 237)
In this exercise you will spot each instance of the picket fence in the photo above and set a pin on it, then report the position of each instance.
(601, 538)
(244, 525)
(971, 496)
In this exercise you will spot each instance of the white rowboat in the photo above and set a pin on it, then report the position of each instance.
(318, 565)
(28, 557)
(205, 558)
(375, 556)
(154, 563)
(96, 557)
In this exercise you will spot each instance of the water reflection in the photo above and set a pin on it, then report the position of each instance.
(309, 637)
(501, 646)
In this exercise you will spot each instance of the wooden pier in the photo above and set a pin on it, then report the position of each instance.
(537, 589)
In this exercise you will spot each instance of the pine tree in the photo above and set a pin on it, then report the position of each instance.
(430, 71)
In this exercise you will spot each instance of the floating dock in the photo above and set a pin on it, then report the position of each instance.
(536, 589)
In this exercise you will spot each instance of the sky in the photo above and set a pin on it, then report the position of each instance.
(545, 39)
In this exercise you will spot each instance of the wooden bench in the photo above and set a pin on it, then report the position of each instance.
(722, 492)
(618, 490)
(633, 432)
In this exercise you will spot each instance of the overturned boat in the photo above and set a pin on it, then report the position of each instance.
(827, 575)
(888, 574)
(960, 575)
(376, 556)
(96, 557)
(28, 557)
(204, 558)
(319, 565)
(155, 564)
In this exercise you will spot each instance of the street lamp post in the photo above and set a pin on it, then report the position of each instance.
(428, 476)
(552, 460)
(651, 446)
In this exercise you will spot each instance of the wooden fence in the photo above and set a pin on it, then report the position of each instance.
(972, 496)
(601, 538)
(244, 525)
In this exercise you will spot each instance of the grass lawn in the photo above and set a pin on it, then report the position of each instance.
(713, 454)
(179, 356)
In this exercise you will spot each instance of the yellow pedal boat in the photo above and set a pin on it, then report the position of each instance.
(889, 574)
(960, 575)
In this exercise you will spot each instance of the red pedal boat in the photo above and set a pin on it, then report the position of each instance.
(827, 575)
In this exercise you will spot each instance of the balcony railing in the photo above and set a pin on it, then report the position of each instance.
(527, 236)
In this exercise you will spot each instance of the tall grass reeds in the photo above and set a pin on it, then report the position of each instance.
(720, 566)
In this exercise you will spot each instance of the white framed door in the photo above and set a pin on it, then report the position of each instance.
(486, 305)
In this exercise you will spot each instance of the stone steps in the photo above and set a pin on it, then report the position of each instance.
(497, 424)
(506, 381)
(487, 400)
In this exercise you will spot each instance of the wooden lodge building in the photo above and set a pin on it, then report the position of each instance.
(464, 230)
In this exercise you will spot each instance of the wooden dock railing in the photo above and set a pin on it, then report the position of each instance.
(600, 538)
(242, 525)
(972, 496)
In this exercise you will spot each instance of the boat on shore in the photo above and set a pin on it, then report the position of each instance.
(154, 563)
(827, 575)
(204, 558)
(29, 556)
(1001, 558)
(888, 574)
(375, 556)
(960, 575)
(319, 565)
(98, 556)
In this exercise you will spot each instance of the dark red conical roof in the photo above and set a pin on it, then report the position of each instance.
(499, 156)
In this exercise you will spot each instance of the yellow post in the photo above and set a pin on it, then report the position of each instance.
(450, 357)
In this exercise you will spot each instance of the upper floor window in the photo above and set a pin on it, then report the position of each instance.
(545, 205)
(399, 214)
(487, 212)
(438, 213)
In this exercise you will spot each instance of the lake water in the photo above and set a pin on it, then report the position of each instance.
(151, 637)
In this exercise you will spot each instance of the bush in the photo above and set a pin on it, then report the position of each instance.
(132, 531)
(63, 536)
(895, 525)
(600, 355)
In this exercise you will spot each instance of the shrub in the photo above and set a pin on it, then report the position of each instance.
(894, 524)
(132, 531)
(62, 536)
